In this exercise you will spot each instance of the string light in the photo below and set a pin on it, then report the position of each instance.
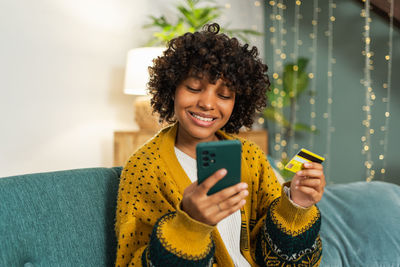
(282, 33)
(369, 95)
(278, 44)
(388, 88)
(295, 55)
(328, 114)
(312, 75)
(274, 40)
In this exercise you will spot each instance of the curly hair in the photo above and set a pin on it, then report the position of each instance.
(217, 56)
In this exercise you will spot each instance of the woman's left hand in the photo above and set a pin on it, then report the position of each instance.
(307, 186)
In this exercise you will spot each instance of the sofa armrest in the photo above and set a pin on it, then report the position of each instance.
(63, 218)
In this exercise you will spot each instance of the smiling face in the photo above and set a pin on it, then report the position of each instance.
(202, 108)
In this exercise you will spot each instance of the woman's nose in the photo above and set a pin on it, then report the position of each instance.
(207, 100)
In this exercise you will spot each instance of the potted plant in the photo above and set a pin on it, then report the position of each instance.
(190, 18)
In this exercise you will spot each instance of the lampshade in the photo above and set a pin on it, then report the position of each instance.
(136, 73)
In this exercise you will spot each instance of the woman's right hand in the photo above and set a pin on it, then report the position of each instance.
(212, 209)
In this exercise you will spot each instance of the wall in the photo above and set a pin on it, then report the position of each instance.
(61, 77)
(346, 162)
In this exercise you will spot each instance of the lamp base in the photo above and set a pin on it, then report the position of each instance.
(144, 117)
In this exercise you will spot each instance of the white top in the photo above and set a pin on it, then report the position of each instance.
(229, 228)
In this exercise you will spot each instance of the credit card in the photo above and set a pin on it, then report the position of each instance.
(303, 156)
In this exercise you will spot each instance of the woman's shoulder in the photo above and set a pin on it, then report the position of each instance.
(156, 143)
(150, 150)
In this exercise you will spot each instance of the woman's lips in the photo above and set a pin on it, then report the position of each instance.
(202, 119)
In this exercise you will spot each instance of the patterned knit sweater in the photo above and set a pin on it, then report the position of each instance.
(152, 230)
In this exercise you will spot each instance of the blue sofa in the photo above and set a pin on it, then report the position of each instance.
(66, 218)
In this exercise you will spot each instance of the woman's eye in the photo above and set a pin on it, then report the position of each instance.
(225, 96)
(193, 89)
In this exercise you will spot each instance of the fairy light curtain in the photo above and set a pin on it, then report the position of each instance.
(329, 100)
(277, 40)
(278, 33)
(313, 74)
(370, 96)
(387, 85)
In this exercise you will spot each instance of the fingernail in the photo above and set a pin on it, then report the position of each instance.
(245, 192)
(300, 173)
(243, 185)
(223, 171)
(243, 202)
(307, 165)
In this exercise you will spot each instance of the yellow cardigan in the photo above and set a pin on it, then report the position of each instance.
(153, 231)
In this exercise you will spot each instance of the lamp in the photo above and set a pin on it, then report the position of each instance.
(136, 79)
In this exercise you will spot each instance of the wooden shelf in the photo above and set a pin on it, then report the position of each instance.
(127, 142)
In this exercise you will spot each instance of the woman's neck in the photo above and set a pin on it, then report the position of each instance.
(187, 143)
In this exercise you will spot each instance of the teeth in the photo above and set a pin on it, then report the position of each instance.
(202, 118)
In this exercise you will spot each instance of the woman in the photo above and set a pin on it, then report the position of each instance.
(208, 86)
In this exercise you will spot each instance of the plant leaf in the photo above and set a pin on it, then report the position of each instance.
(274, 115)
(302, 63)
(294, 82)
(276, 95)
(191, 18)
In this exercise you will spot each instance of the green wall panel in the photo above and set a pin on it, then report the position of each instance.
(346, 162)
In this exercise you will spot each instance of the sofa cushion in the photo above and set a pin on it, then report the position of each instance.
(61, 218)
(66, 218)
(360, 225)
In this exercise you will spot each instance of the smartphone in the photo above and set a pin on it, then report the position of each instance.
(212, 156)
